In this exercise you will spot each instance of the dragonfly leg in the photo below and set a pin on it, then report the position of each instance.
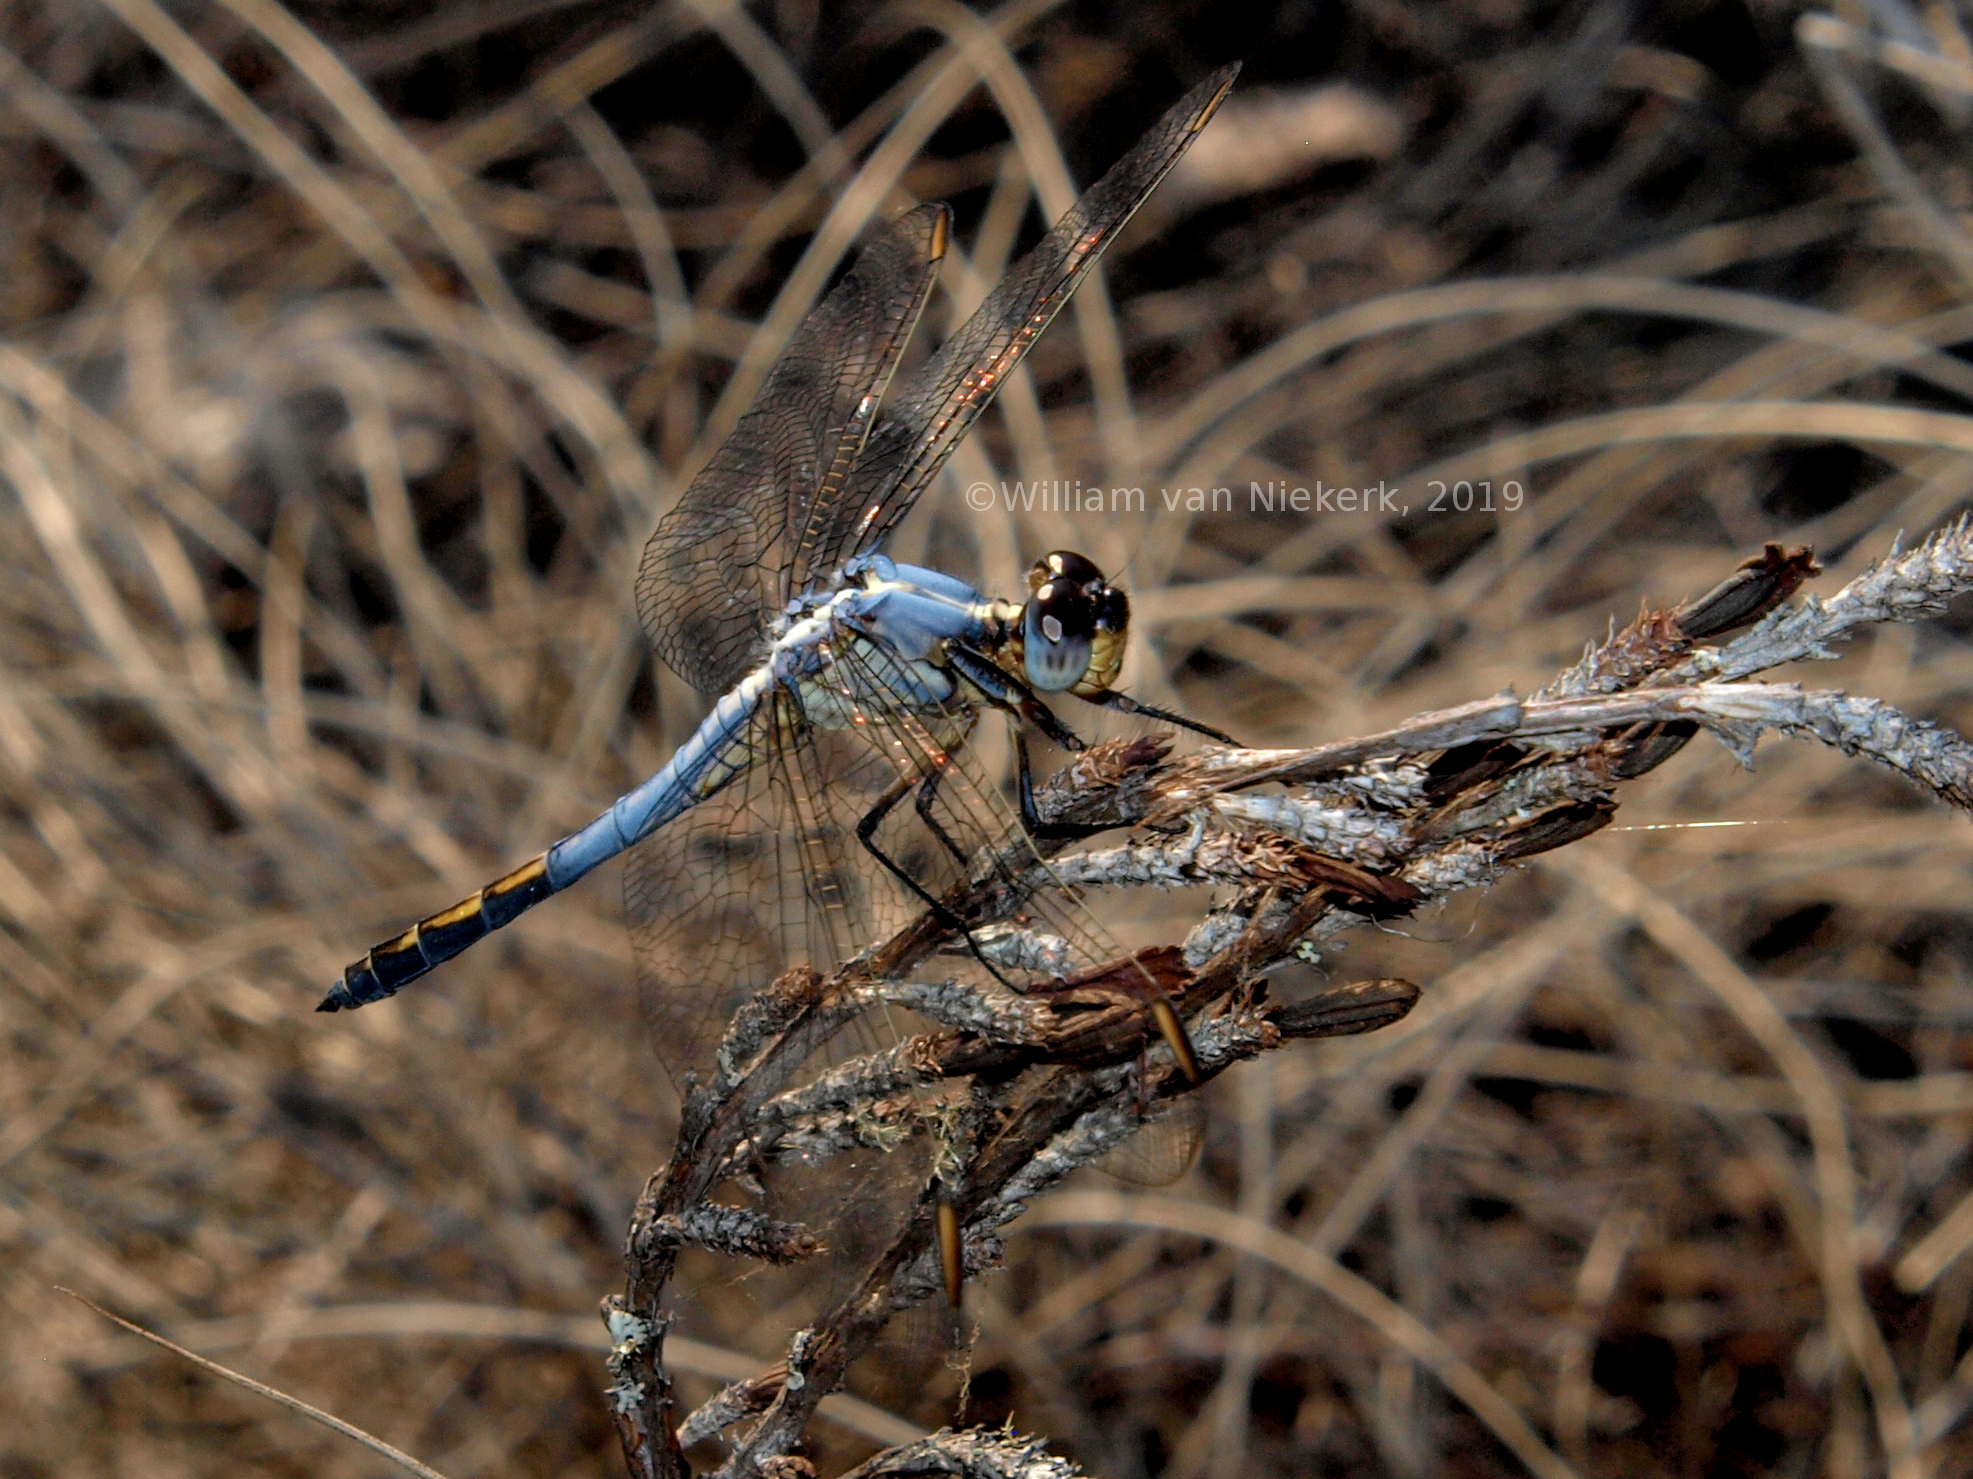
(1031, 818)
(1123, 703)
(1009, 693)
(866, 833)
(928, 790)
(1004, 691)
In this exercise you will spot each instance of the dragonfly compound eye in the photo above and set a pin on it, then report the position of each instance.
(1070, 607)
(1064, 564)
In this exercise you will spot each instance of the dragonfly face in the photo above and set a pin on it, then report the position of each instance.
(1073, 628)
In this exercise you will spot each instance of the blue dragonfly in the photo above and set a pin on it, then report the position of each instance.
(846, 682)
(763, 584)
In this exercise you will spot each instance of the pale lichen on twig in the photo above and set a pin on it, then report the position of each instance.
(1906, 585)
(1341, 835)
(974, 1453)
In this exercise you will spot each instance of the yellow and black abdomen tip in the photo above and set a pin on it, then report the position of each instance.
(395, 964)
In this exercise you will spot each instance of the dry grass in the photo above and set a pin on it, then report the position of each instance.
(342, 378)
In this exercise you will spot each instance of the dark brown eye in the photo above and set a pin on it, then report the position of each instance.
(1064, 565)
(1112, 610)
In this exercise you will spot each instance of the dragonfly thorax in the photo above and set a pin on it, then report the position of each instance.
(884, 633)
(878, 641)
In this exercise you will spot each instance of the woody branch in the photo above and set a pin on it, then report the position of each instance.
(1308, 844)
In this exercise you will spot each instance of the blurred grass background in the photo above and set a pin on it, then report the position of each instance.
(351, 349)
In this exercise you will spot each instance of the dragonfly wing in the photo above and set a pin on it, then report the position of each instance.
(707, 909)
(771, 872)
(745, 536)
(929, 416)
(1164, 1149)
(763, 875)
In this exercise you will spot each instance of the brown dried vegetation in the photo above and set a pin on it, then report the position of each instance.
(349, 353)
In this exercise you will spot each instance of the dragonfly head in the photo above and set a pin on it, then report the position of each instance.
(1073, 626)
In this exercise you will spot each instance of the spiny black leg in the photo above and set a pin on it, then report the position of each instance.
(928, 790)
(1009, 692)
(1016, 697)
(866, 833)
(1024, 771)
(1123, 703)
(1031, 818)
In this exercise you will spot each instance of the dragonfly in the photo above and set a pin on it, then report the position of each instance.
(845, 683)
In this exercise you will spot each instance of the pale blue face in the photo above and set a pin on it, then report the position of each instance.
(1056, 654)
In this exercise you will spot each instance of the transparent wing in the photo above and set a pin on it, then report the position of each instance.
(970, 817)
(1163, 1150)
(771, 873)
(765, 874)
(746, 534)
(927, 417)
